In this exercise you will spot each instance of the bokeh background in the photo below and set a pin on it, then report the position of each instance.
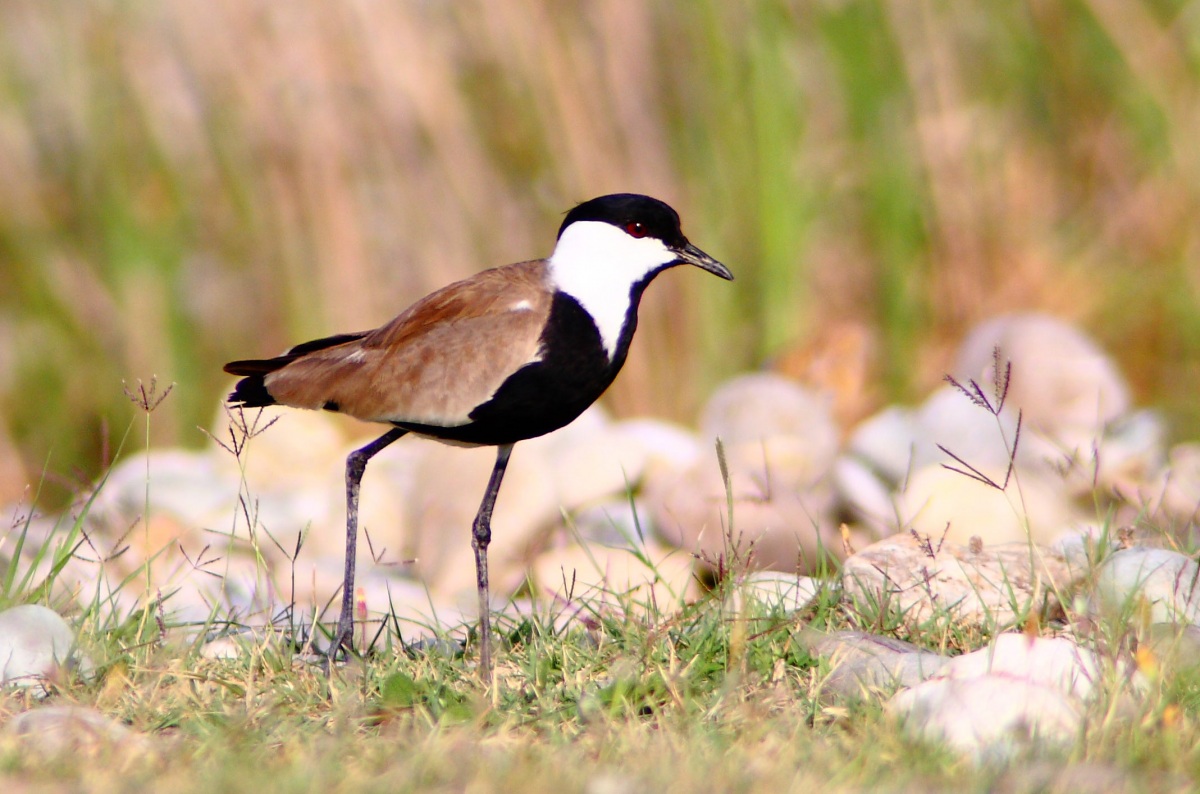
(183, 183)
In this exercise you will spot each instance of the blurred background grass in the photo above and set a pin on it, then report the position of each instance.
(183, 183)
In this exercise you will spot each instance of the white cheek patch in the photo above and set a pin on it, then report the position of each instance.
(597, 264)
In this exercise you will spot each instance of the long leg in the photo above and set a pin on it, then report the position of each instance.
(356, 464)
(481, 536)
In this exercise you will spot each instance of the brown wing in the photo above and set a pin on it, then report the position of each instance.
(434, 363)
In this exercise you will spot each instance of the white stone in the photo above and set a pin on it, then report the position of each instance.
(949, 418)
(865, 495)
(862, 665)
(779, 443)
(993, 586)
(390, 487)
(34, 642)
(289, 446)
(775, 589)
(657, 447)
(221, 648)
(1029, 508)
(991, 718)
(614, 522)
(1131, 450)
(1060, 376)
(886, 443)
(190, 486)
(593, 466)
(752, 408)
(651, 577)
(1083, 545)
(1149, 586)
(1016, 693)
(449, 488)
(1048, 661)
(781, 520)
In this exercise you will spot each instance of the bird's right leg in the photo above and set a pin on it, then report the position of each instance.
(356, 464)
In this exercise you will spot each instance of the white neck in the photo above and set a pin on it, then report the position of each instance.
(597, 264)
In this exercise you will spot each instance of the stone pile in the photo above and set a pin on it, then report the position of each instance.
(977, 508)
(617, 507)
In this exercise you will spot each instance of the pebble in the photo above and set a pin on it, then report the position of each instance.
(186, 485)
(1061, 379)
(749, 409)
(987, 586)
(612, 522)
(588, 462)
(450, 485)
(939, 501)
(390, 487)
(990, 718)
(35, 642)
(863, 665)
(1130, 453)
(653, 576)
(897, 441)
(778, 590)
(886, 443)
(776, 526)
(780, 443)
(1049, 661)
(221, 648)
(865, 496)
(1149, 586)
(1017, 693)
(658, 446)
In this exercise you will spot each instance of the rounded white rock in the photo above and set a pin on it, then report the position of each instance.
(34, 642)
(1060, 377)
(1163, 582)
(752, 408)
(991, 717)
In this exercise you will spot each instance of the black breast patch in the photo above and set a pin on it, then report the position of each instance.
(547, 394)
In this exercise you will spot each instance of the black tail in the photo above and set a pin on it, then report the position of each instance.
(251, 391)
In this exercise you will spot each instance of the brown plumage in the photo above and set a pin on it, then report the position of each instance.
(433, 364)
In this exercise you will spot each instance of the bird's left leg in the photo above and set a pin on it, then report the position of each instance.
(482, 535)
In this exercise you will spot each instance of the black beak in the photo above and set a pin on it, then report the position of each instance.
(692, 255)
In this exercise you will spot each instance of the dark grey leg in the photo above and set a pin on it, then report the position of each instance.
(356, 464)
(481, 537)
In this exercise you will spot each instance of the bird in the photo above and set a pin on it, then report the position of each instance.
(508, 354)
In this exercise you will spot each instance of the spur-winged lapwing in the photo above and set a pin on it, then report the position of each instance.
(508, 354)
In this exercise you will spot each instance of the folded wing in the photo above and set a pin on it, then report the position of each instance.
(431, 365)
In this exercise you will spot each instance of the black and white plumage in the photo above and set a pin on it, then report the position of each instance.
(508, 354)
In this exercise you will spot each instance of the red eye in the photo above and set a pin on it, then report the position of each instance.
(635, 229)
